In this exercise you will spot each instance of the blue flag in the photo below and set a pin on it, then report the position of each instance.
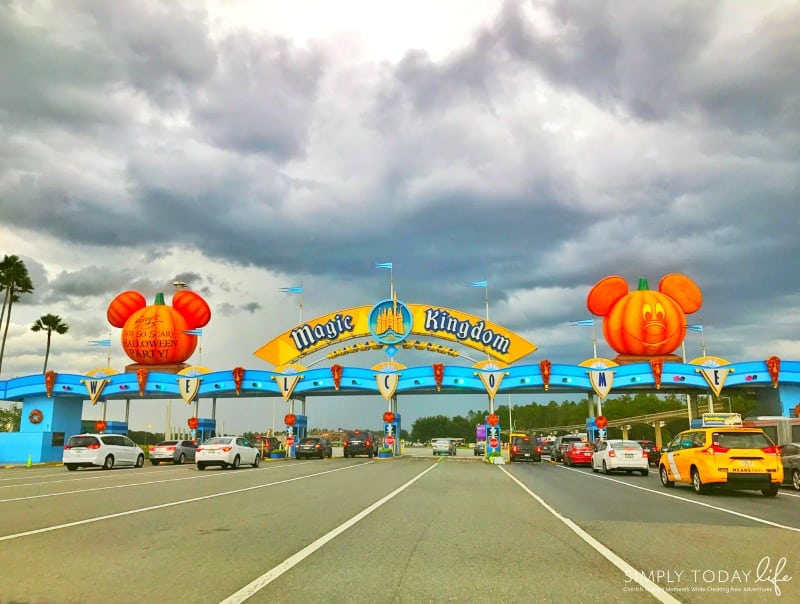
(193, 332)
(292, 290)
(583, 322)
(99, 342)
(697, 327)
(383, 265)
(478, 284)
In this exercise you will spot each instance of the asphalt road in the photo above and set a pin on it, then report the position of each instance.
(412, 529)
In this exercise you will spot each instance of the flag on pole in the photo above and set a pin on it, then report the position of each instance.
(292, 290)
(697, 327)
(583, 322)
(100, 342)
(383, 265)
(193, 332)
(478, 284)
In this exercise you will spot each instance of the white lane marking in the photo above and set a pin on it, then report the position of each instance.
(652, 588)
(268, 577)
(124, 486)
(150, 508)
(692, 501)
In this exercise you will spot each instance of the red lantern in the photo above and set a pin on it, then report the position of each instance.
(100, 426)
(336, 373)
(290, 419)
(388, 417)
(193, 422)
(438, 375)
(493, 419)
(657, 367)
(601, 421)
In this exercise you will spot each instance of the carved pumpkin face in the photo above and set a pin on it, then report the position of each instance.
(155, 335)
(645, 323)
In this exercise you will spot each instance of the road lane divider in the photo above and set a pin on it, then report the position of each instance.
(649, 586)
(268, 577)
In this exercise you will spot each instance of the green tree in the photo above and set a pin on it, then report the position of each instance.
(49, 323)
(10, 418)
(14, 281)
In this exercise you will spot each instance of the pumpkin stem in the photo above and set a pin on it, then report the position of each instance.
(159, 299)
(643, 286)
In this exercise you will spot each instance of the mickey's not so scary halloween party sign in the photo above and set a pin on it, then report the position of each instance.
(158, 334)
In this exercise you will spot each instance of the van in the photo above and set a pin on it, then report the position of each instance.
(562, 442)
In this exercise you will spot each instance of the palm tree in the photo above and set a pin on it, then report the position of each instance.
(14, 280)
(49, 323)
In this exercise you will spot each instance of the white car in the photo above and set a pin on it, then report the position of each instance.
(226, 451)
(620, 455)
(443, 446)
(101, 450)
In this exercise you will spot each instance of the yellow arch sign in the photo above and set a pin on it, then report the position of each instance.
(426, 320)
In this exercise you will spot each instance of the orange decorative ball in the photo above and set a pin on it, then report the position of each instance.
(123, 306)
(155, 335)
(192, 306)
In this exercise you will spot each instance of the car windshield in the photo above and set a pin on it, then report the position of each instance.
(741, 440)
(310, 441)
(626, 444)
(81, 441)
(219, 440)
(167, 443)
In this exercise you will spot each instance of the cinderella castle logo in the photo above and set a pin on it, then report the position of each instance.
(390, 321)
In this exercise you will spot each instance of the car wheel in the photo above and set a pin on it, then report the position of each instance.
(796, 480)
(772, 491)
(201, 466)
(235, 464)
(108, 463)
(645, 472)
(181, 459)
(605, 468)
(155, 462)
(257, 461)
(662, 473)
(592, 465)
(140, 461)
(71, 467)
(697, 483)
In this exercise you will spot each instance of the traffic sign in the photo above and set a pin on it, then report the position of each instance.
(493, 443)
(289, 441)
(389, 440)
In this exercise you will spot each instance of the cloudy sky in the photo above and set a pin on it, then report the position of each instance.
(245, 146)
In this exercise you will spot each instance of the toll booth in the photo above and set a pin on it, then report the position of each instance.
(206, 428)
(295, 433)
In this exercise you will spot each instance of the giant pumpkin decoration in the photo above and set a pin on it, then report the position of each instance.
(156, 334)
(644, 322)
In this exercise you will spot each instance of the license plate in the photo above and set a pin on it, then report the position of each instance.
(746, 463)
(628, 455)
(527, 454)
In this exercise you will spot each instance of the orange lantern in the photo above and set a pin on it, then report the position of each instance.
(388, 417)
(493, 419)
(100, 426)
(438, 375)
(336, 373)
(290, 419)
(193, 422)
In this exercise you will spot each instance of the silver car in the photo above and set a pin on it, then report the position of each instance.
(172, 451)
(443, 446)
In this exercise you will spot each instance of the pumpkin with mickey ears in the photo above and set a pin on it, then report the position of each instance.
(156, 334)
(644, 322)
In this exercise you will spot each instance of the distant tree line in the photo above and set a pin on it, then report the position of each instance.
(535, 416)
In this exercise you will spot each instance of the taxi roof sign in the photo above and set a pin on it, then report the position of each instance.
(711, 420)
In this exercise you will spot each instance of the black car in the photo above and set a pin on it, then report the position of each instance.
(790, 458)
(480, 448)
(313, 446)
(653, 452)
(360, 442)
(524, 448)
(268, 444)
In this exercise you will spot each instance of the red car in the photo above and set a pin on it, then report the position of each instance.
(579, 454)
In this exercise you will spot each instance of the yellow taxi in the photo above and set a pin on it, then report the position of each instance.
(722, 453)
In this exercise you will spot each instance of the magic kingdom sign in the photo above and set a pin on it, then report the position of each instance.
(390, 322)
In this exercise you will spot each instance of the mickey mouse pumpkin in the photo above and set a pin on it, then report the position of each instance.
(644, 322)
(156, 334)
